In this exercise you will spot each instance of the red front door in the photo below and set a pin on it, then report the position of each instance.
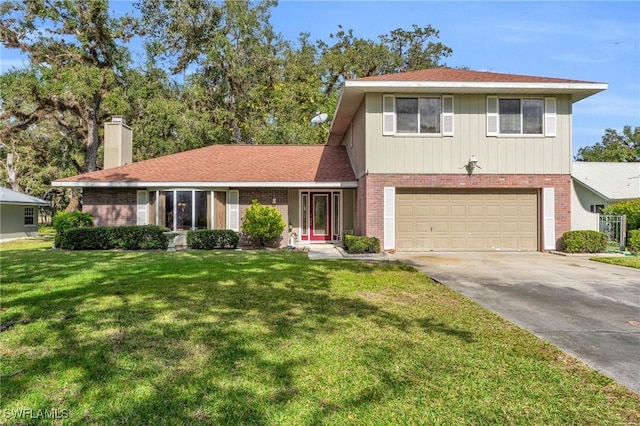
(320, 217)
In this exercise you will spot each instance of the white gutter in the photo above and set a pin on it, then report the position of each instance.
(471, 84)
(95, 184)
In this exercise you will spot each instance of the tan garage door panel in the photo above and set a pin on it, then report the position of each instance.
(466, 219)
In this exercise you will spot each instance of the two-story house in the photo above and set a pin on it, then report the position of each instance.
(437, 159)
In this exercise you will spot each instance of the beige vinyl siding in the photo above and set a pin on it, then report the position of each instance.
(348, 209)
(356, 134)
(447, 154)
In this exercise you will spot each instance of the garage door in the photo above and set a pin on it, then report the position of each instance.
(458, 220)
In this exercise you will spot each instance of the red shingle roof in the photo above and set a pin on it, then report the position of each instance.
(447, 74)
(235, 163)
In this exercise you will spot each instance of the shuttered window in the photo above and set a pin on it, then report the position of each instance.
(406, 115)
(521, 116)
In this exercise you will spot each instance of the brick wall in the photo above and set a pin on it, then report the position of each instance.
(375, 183)
(265, 197)
(110, 207)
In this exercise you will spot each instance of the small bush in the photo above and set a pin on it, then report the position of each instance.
(357, 244)
(262, 224)
(630, 208)
(147, 237)
(209, 239)
(64, 221)
(633, 241)
(584, 241)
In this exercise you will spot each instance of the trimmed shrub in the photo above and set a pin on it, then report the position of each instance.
(354, 244)
(64, 221)
(147, 237)
(633, 241)
(630, 208)
(262, 224)
(209, 239)
(584, 241)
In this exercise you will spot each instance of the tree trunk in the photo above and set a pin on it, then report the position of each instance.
(74, 201)
(93, 142)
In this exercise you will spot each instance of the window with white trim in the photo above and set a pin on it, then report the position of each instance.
(596, 208)
(417, 115)
(29, 216)
(521, 116)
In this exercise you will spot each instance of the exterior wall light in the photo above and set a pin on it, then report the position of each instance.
(472, 164)
(273, 201)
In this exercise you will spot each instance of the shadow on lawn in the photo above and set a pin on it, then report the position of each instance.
(184, 333)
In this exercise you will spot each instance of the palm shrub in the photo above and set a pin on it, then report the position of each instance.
(262, 224)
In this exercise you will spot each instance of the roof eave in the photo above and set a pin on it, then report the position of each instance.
(26, 203)
(355, 90)
(299, 184)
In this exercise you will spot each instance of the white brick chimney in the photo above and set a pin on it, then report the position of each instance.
(118, 149)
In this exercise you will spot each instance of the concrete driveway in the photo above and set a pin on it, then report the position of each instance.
(588, 309)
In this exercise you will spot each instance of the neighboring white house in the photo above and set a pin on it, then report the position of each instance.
(18, 214)
(596, 185)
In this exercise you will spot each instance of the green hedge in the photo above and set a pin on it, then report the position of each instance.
(584, 241)
(630, 208)
(633, 241)
(354, 244)
(147, 237)
(209, 239)
(65, 221)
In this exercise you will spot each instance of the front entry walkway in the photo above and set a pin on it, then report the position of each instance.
(590, 310)
(331, 251)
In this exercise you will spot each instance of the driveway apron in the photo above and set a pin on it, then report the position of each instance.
(590, 310)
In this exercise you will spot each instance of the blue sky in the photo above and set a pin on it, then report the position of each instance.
(583, 40)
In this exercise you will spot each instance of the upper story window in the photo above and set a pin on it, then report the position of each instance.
(521, 116)
(29, 216)
(417, 115)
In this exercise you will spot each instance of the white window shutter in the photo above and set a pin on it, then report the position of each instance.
(492, 116)
(233, 210)
(549, 116)
(548, 208)
(142, 201)
(388, 115)
(447, 116)
(389, 218)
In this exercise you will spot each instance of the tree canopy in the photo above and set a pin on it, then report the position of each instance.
(614, 147)
(216, 72)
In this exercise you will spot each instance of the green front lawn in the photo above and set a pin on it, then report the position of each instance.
(272, 338)
(630, 261)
